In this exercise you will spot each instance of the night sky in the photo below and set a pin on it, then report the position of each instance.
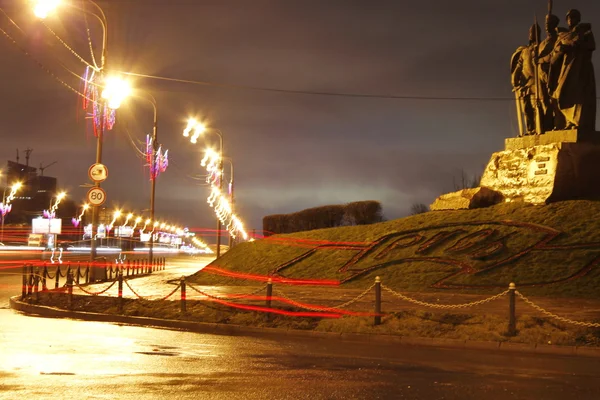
(290, 150)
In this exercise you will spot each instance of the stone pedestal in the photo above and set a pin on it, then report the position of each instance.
(555, 166)
(467, 199)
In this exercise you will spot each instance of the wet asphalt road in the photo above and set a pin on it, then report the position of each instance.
(64, 359)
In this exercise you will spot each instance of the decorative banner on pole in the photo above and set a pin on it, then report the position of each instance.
(161, 160)
(90, 90)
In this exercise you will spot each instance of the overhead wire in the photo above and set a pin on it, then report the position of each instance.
(56, 59)
(310, 92)
(43, 67)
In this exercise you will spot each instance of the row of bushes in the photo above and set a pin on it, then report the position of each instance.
(356, 213)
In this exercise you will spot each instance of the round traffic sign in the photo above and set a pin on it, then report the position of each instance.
(98, 172)
(96, 196)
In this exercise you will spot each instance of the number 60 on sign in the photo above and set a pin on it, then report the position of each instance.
(96, 196)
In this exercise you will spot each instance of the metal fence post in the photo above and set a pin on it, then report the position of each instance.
(57, 276)
(87, 273)
(512, 317)
(70, 289)
(36, 285)
(183, 307)
(269, 298)
(30, 280)
(120, 277)
(24, 288)
(377, 319)
(44, 277)
(269, 293)
(78, 272)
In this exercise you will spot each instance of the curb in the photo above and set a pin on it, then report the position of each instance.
(225, 329)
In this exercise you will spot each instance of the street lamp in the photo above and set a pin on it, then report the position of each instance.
(153, 166)
(5, 206)
(112, 95)
(231, 198)
(115, 91)
(199, 128)
(51, 213)
(43, 8)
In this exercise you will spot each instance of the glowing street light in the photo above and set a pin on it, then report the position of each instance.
(137, 222)
(5, 206)
(42, 8)
(115, 90)
(53, 207)
(145, 225)
(129, 216)
(199, 128)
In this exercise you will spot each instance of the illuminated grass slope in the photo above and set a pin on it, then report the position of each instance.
(552, 250)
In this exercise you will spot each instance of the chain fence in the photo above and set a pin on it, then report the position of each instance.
(325, 308)
(32, 278)
(445, 306)
(95, 293)
(557, 317)
(148, 298)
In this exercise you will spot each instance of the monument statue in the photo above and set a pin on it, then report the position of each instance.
(524, 81)
(552, 118)
(557, 154)
(575, 91)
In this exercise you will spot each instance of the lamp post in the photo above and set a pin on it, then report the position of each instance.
(199, 129)
(218, 132)
(5, 206)
(52, 211)
(110, 98)
(231, 198)
(152, 169)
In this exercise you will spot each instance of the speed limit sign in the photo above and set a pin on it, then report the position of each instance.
(96, 196)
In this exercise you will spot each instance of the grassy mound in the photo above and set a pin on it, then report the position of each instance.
(552, 250)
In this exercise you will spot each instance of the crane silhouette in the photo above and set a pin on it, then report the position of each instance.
(42, 168)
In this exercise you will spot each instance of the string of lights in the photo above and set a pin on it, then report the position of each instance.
(217, 200)
(89, 37)
(66, 45)
(43, 67)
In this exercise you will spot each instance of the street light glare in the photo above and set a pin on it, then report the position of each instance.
(198, 127)
(115, 91)
(17, 186)
(41, 8)
(190, 125)
(61, 196)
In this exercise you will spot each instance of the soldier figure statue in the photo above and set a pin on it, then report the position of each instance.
(552, 118)
(524, 81)
(575, 91)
